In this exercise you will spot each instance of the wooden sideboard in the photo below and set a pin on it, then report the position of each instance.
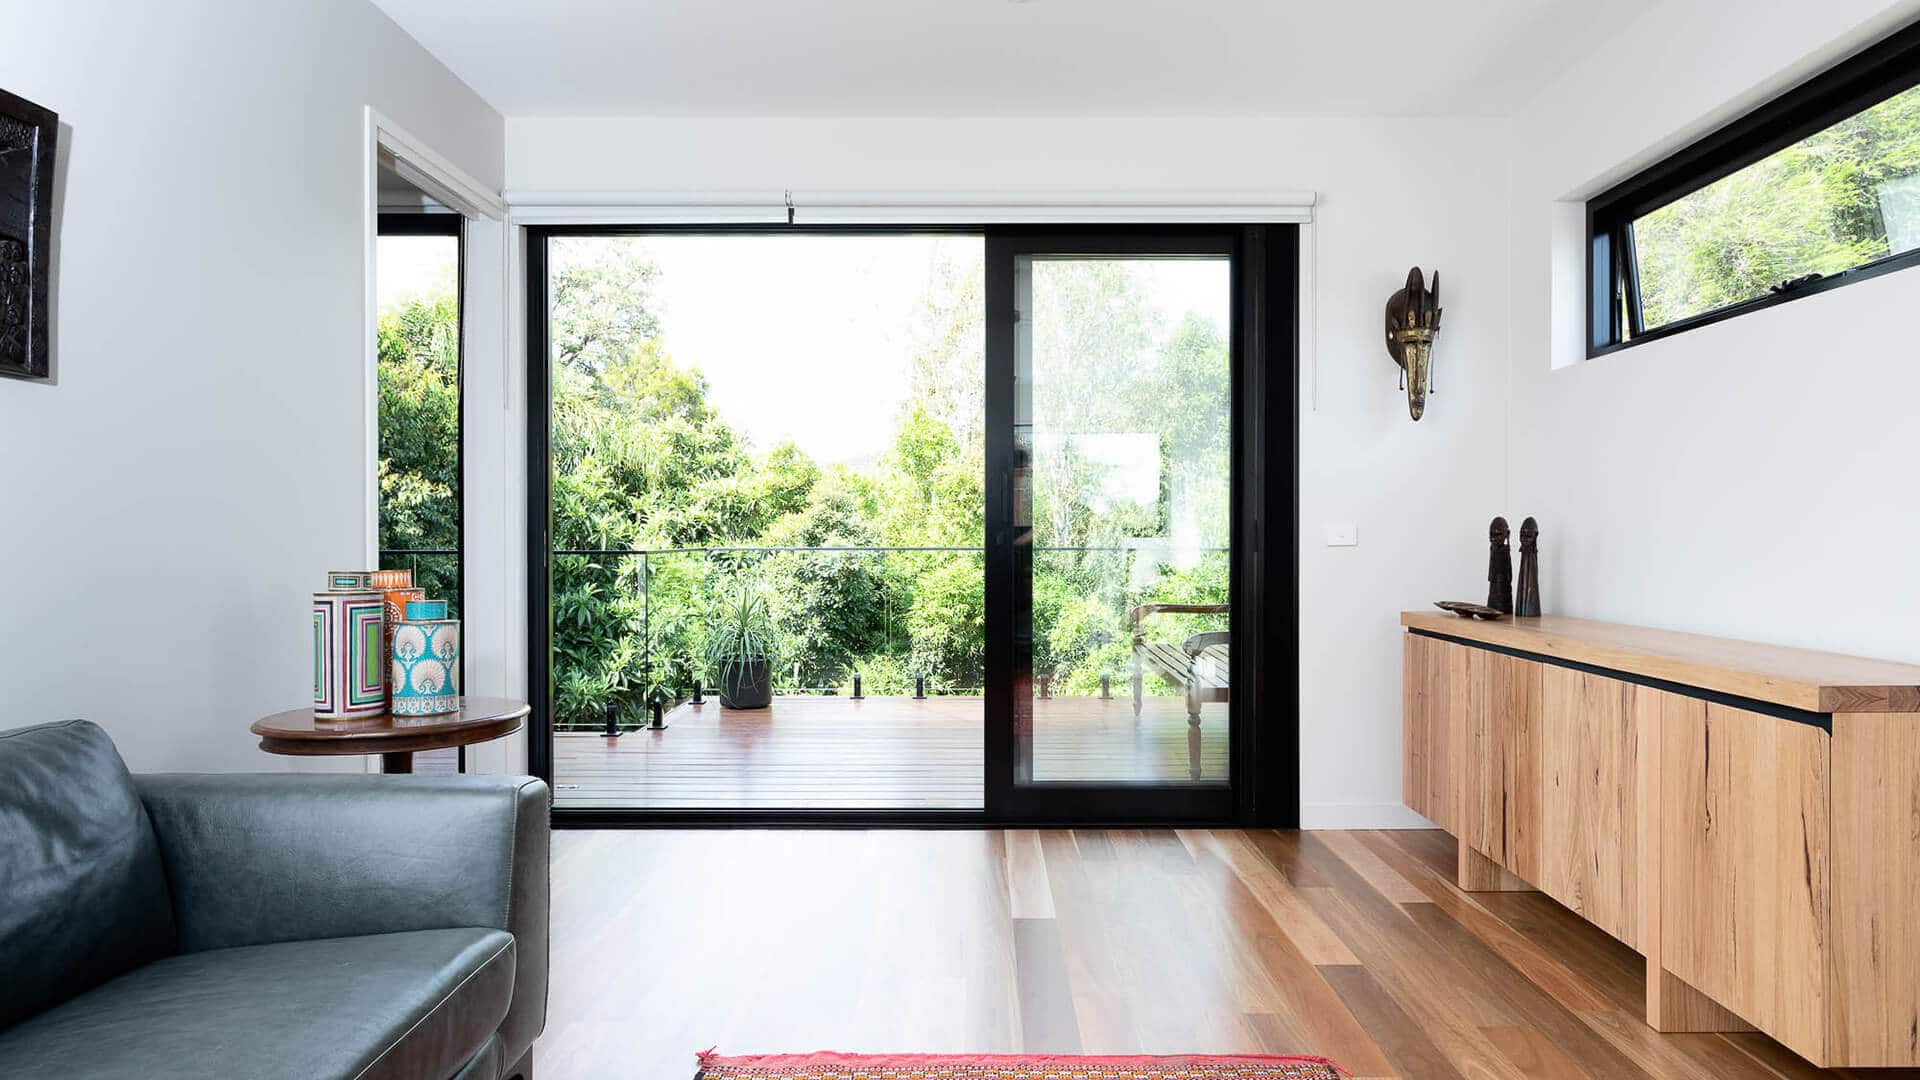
(1747, 817)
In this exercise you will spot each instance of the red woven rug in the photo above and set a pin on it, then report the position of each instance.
(1013, 1067)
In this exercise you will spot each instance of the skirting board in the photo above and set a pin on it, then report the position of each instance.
(1391, 815)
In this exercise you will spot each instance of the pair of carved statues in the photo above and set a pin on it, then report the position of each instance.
(1500, 591)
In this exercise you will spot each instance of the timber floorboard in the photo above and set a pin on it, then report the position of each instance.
(1356, 946)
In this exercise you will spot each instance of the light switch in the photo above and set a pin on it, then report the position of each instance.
(1343, 534)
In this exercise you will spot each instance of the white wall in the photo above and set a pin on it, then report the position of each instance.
(1752, 479)
(1392, 194)
(171, 501)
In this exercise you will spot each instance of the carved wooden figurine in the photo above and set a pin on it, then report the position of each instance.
(1527, 604)
(1499, 567)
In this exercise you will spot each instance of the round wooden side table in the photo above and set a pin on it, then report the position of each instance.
(395, 738)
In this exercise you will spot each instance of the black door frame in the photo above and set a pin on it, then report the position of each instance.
(1263, 787)
(453, 225)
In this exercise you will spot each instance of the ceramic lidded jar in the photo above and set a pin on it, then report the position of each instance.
(354, 581)
(425, 672)
(349, 654)
(394, 613)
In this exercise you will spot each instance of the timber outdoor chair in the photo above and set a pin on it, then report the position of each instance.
(1198, 665)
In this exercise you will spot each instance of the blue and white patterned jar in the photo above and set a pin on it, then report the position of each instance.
(426, 610)
(426, 667)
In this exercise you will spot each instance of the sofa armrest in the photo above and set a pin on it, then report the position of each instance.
(262, 857)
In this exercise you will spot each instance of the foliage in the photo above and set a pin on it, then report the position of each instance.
(741, 633)
(419, 387)
(1818, 206)
(674, 535)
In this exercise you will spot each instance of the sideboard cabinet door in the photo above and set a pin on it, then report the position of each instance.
(1500, 770)
(1743, 874)
(1434, 712)
(1588, 856)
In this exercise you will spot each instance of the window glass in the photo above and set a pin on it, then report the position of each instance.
(1841, 198)
(419, 349)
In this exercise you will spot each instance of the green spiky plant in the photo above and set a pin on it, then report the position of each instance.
(742, 633)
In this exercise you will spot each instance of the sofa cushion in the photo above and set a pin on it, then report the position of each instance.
(82, 894)
(418, 1004)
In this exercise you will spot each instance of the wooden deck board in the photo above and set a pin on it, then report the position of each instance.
(835, 753)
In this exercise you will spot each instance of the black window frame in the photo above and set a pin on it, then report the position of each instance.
(454, 225)
(1857, 83)
(430, 223)
(1265, 757)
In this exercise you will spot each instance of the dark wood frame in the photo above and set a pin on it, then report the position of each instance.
(1855, 84)
(38, 362)
(1263, 787)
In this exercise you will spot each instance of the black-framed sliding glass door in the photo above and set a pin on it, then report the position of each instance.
(1116, 512)
(1077, 613)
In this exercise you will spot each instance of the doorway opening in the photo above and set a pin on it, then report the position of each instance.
(858, 523)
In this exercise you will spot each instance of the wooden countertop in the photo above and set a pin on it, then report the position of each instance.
(1798, 678)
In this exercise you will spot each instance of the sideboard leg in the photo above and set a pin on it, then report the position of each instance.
(1672, 1005)
(1477, 873)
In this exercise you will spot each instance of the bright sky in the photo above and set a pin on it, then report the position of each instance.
(411, 266)
(802, 337)
(809, 337)
(806, 338)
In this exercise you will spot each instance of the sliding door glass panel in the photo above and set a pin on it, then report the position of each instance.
(1123, 420)
(781, 433)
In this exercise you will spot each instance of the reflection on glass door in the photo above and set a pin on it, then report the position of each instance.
(1121, 514)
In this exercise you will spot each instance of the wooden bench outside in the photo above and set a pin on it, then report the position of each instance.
(1199, 666)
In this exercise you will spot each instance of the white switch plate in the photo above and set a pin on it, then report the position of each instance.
(1343, 535)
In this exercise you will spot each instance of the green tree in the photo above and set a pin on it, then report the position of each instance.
(419, 469)
(1817, 206)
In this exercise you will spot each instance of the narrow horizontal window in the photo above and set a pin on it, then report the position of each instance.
(1816, 189)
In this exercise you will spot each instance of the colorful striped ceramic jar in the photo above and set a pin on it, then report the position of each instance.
(349, 676)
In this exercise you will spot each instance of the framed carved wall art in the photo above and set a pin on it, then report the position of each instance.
(27, 136)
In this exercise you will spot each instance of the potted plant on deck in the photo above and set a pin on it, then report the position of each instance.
(740, 650)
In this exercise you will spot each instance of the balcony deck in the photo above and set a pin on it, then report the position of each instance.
(835, 753)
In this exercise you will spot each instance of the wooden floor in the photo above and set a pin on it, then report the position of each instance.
(835, 753)
(1353, 945)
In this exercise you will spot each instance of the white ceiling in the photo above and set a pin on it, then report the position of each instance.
(985, 57)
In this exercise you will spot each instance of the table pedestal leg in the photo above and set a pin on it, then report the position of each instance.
(401, 762)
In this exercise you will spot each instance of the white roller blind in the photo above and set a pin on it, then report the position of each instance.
(648, 207)
(1048, 207)
(1009, 207)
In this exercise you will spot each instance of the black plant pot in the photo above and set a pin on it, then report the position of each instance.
(746, 685)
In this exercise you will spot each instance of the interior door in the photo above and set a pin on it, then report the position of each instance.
(1112, 523)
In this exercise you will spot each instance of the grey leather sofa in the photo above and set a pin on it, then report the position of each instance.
(265, 925)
